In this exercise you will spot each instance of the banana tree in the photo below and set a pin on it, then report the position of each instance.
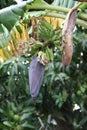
(17, 14)
(32, 29)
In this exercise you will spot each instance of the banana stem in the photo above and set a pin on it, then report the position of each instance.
(55, 8)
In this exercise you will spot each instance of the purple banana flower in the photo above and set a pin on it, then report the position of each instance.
(36, 72)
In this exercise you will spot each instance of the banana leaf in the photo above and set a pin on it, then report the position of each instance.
(8, 18)
(10, 15)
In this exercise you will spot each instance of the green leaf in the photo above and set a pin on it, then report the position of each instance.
(26, 18)
(3, 127)
(5, 36)
(1, 29)
(30, 109)
(56, 2)
(1, 110)
(64, 95)
(25, 116)
(7, 123)
(10, 15)
(7, 17)
(83, 121)
(64, 3)
(71, 3)
(82, 89)
(39, 2)
(18, 11)
(83, 6)
(27, 125)
(19, 28)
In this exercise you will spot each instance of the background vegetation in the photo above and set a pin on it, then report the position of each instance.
(61, 90)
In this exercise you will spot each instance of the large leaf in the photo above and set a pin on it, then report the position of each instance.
(39, 2)
(9, 15)
(64, 3)
(8, 18)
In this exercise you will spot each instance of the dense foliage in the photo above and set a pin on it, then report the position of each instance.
(5, 3)
(61, 91)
